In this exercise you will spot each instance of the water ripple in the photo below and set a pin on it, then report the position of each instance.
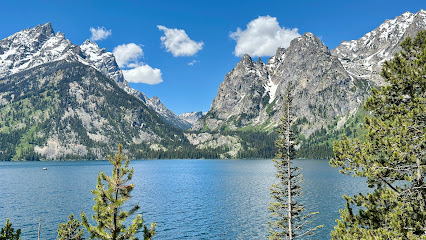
(188, 199)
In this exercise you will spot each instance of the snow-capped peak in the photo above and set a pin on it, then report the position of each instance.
(31, 47)
(362, 58)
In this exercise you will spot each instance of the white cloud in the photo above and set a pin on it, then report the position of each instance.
(100, 33)
(143, 74)
(262, 37)
(178, 42)
(127, 55)
(193, 62)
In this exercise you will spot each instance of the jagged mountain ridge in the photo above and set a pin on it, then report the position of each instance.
(35, 46)
(252, 93)
(363, 58)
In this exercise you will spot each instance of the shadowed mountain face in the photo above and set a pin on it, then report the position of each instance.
(70, 110)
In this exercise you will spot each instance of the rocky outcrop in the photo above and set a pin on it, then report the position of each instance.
(214, 141)
(239, 94)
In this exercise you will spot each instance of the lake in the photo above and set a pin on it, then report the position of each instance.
(188, 199)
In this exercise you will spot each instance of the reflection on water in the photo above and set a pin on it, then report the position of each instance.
(188, 199)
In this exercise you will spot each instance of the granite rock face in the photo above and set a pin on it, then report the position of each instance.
(252, 94)
(103, 61)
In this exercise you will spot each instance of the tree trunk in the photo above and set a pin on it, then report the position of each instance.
(290, 228)
(114, 230)
(39, 229)
(419, 184)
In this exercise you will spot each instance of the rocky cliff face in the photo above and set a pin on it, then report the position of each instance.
(252, 94)
(239, 94)
(363, 58)
(33, 47)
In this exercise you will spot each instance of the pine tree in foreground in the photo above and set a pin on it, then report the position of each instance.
(109, 213)
(393, 155)
(71, 230)
(8, 232)
(290, 221)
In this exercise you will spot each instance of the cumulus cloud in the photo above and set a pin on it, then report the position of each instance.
(127, 55)
(143, 74)
(99, 33)
(178, 42)
(262, 37)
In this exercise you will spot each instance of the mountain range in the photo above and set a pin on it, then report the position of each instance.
(64, 101)
(329, 87)
(35, 46)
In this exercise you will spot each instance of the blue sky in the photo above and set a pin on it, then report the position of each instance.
(187, 87)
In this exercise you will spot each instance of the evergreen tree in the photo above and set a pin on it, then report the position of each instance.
(8, 232)
(109, 213)
(71, 230)
(288, 214)
(392, 156)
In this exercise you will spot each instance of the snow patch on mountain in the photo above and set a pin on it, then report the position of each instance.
(271, 89)
(191, 117)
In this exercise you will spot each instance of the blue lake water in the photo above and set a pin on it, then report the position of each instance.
(188, 199)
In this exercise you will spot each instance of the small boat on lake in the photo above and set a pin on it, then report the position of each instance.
(45, 168)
